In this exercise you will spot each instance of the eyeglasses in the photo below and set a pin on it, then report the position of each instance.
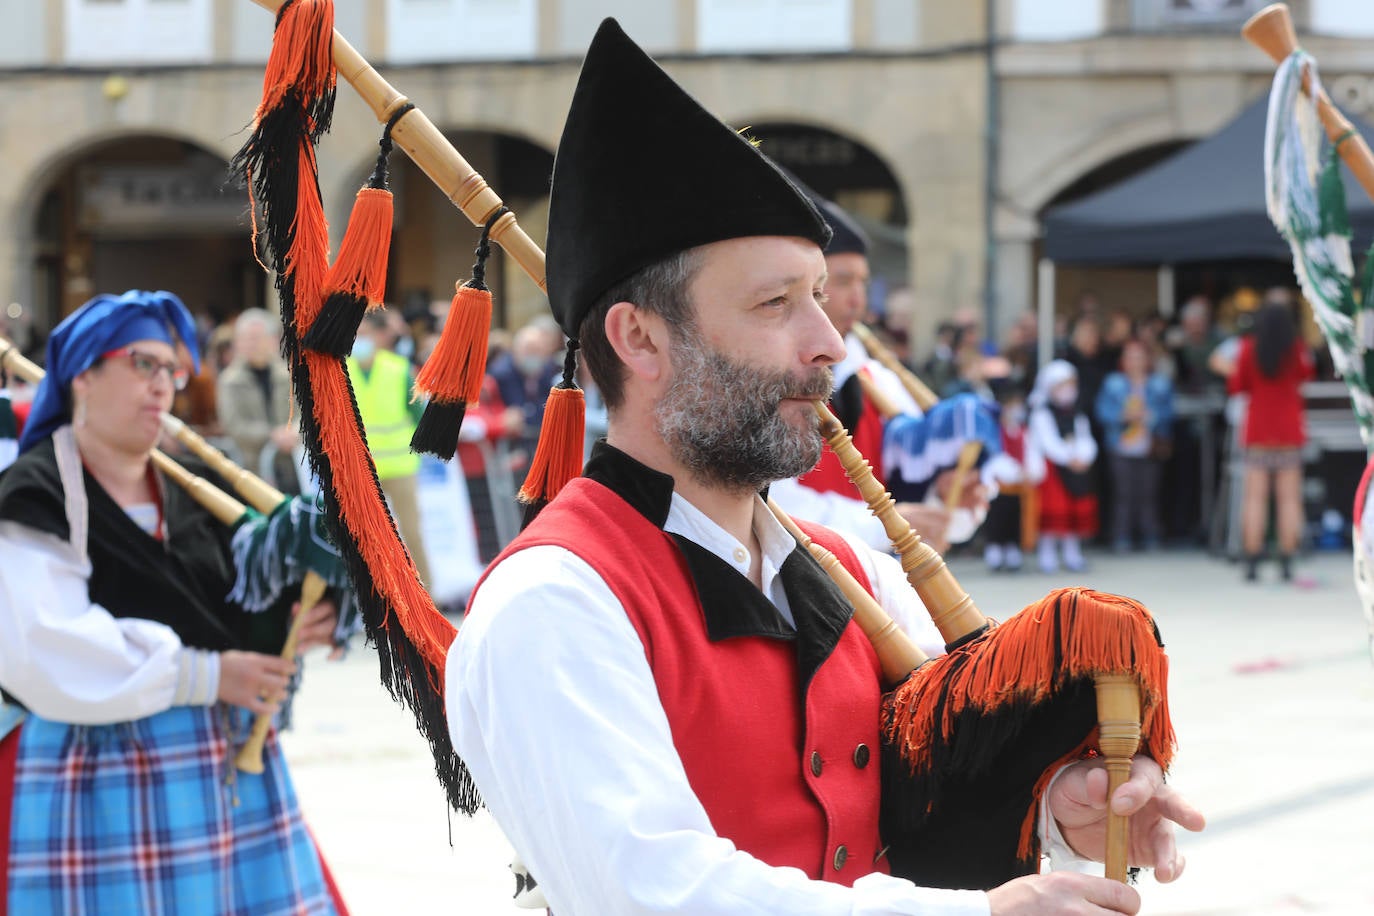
(146, 366)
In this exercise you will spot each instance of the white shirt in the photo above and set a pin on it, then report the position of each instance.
(1044, 443)
(69, 659)
(553, 707)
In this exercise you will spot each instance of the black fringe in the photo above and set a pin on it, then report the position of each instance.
(531, 512)
(337, 325)
(270, 159)
(269, 162)
(319, 110)
(404, 672)
(957, 823)
(437, 432)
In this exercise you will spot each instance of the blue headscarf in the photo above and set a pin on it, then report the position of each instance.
(103, 324)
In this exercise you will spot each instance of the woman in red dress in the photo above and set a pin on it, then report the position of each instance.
(1271, 366)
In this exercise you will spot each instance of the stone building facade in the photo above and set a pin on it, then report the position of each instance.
(120, 115)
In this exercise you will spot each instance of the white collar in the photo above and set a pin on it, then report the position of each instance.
(775, 544)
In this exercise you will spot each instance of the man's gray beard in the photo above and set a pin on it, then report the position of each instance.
(720, 418)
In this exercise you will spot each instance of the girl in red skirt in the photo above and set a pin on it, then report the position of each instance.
(1060, 452)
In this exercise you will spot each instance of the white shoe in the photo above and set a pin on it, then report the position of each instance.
(1011, 558)
(993, 557)
(1049, 554)
(1073, 555)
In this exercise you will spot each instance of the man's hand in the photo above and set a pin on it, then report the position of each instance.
(929, 521)
(318, 627)
(974, 495)
(1078, 801)
(254, 681)
(1062, 892)
(1080, 466)
(1058, 893)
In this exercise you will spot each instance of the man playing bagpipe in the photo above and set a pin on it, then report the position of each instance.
(664, 701)
(885, 420)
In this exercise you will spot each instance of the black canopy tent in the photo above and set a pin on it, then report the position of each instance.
(1204, 203)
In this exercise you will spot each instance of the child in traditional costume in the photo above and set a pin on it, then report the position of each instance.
(1060, 452)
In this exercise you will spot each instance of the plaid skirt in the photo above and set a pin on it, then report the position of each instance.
(138, 818)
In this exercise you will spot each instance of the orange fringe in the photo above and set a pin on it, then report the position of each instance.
(302, 54)
(308, 259)
(360, 267)
(343, 444)
(558, 456)
(1072, 633)
(454, 371)
(389, 563)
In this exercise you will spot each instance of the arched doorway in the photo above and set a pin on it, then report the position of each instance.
(146, 212)
(846, 171)
(434, 242)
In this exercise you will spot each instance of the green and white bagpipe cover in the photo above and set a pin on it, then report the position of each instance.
(1306, 198)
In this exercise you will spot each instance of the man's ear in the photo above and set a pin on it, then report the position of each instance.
(640, 339)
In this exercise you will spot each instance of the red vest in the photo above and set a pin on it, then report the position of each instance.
(791, 779)
(828, 476)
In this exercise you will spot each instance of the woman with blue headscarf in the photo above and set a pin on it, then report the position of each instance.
(136, 677)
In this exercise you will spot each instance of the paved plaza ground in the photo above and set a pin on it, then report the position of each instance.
(1272, 693)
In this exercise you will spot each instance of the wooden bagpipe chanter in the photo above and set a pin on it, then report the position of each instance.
(972, 735)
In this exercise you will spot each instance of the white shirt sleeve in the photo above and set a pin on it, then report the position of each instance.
(890, 384)
(833, 510)
(69, 660)
(552, 705)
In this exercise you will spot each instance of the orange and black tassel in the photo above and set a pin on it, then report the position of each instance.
(558, 456)
(452, 376)
(357, 279)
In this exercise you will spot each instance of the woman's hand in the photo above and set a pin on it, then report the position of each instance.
(317, 629)
(254, 681)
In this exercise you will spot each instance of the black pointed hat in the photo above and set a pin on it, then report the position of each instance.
(849, 237)
(643, 171)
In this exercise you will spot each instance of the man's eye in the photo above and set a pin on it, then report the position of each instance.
(776, 302)
(821, 296)
(144, 363)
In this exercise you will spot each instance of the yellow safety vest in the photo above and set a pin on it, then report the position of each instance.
(383, 393)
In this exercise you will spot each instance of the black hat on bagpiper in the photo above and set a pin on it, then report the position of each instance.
(642, 172)
(848, 237)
